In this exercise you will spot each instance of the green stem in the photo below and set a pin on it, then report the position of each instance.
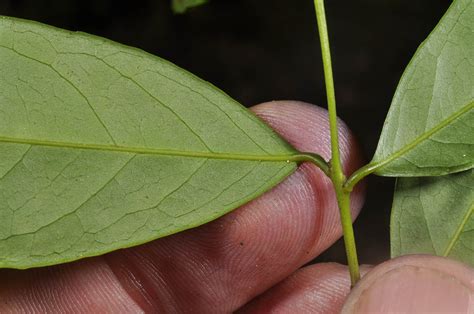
(343, 199)
(331, 97)
(336, 172)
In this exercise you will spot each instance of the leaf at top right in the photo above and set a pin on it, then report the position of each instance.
(429, 129)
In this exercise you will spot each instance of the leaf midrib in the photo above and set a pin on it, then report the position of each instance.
(150, 151)
(458, 232)
(408, 147)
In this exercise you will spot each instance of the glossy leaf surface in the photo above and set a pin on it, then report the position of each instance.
(434, 215)
(430, 126)
(103, 146)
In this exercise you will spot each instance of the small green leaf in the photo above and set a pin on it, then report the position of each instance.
(103, 146)
(429, 129)
(181, 6)
(434, 215)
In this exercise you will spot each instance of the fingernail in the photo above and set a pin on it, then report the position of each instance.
(416, 289)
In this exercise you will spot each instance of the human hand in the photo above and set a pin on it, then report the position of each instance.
(249, 259)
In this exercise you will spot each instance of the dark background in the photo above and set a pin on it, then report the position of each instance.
(261, 50)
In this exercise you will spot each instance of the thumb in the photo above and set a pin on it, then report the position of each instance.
(414, 284)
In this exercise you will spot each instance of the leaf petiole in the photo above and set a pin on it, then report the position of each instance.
(315, 159)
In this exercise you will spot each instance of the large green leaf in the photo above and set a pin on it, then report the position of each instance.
(434, 215)
(104, 146)
(430, 126)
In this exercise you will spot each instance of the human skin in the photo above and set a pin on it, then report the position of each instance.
(251, 259)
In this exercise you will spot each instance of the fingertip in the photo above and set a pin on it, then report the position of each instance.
(294, 119)
(414, 284)
(306, 127)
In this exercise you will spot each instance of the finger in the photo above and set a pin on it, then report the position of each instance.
(87, 286)
(415, 284)
(230, 261)
(222, 265)
(320, 288)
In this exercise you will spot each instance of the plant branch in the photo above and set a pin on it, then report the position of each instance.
(336, 172)
(343, 199)
(328, 78)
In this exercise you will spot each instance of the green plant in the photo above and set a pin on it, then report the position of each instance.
(120, 125)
